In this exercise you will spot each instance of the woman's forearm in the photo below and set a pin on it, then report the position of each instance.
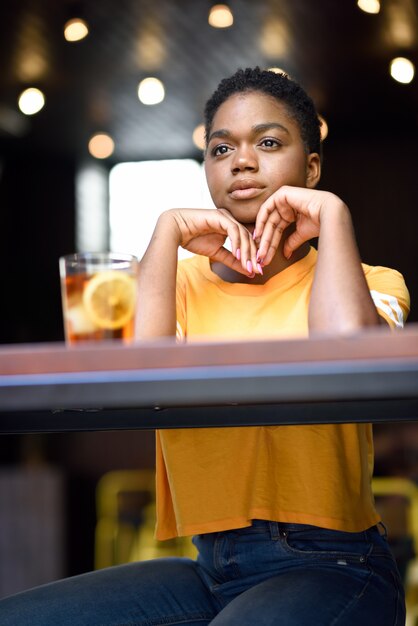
(156, 316)
(340, 298)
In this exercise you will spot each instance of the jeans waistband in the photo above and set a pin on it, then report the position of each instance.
(277, 528)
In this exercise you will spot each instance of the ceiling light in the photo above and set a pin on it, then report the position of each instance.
(278, 70)
(101, 146)
(151, 91)
(402, 70)
(75, 29)
(369, 6)
(199, 137)
(150, 45)
(220, 16)
(400, 29)
(323, 128)
(275, 38)
(31, 101)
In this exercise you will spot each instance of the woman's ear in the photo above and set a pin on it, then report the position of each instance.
(313, 169)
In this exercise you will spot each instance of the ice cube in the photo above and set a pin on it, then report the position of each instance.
(80, 323)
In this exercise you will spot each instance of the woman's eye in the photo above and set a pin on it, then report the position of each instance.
(270, 143)
(219, 150)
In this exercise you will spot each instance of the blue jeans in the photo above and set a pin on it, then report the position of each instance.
(267, 574)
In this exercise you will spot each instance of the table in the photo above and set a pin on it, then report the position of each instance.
(371, 376)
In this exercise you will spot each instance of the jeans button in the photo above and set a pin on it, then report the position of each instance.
(362, 559)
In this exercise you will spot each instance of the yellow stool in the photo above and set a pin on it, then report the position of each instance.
(125, 504)
(402, 518)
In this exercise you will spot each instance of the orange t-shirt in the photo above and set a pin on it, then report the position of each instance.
(214, 479)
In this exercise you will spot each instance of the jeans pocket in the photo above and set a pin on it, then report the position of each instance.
(333, 546)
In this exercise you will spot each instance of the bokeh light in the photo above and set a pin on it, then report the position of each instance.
(220, 16)
(31, 101)
(101, 146)
(402, 70)
(75, 29)
(151, 91)
(369, 6)
(199, 137)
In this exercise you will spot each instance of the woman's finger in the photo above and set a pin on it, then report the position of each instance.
(270, 238)
(276, 204)
(305, 231)
(232, 230)
(248, 252)
(224, 256)
(244, 248)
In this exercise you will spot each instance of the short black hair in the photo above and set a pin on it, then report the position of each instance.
(279, 86)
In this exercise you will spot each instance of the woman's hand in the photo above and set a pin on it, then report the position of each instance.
(340, 298)
(204, 231)
(304, 207)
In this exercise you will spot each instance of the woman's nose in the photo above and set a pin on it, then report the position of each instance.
(244, 159)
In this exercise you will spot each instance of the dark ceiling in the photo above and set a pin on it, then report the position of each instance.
(339, 53)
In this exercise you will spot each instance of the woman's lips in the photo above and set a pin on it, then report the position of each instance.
(246, 193)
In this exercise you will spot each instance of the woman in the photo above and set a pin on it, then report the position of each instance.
(283, 517)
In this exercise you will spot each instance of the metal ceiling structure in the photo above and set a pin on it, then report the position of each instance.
(339, 53)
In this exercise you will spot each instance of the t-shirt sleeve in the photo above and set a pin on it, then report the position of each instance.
(390, 294)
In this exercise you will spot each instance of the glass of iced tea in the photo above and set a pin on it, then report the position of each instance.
(99, 295)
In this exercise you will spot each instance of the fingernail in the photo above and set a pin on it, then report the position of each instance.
(238, 254)
(260, 269)
(254, 235)
(249, 267)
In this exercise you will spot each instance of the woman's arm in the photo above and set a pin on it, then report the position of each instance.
(340, 298)
(156, 316)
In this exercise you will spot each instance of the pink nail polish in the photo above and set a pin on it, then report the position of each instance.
(254, 235)
(238, 254)
(260, 269)
(249, 267)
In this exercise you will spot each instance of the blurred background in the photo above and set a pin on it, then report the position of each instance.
(100, 112)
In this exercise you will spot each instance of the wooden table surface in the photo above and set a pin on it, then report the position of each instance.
(369, 376)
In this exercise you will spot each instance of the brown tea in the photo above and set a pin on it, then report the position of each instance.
(99, 306)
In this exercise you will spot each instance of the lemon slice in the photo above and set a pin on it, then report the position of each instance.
(109, 299)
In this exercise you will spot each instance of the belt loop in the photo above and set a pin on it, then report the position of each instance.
(274, 530)
(383, 531)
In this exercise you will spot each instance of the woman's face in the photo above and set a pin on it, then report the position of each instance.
(254, 148)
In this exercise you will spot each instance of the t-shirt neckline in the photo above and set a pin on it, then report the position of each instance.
(290, 274)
